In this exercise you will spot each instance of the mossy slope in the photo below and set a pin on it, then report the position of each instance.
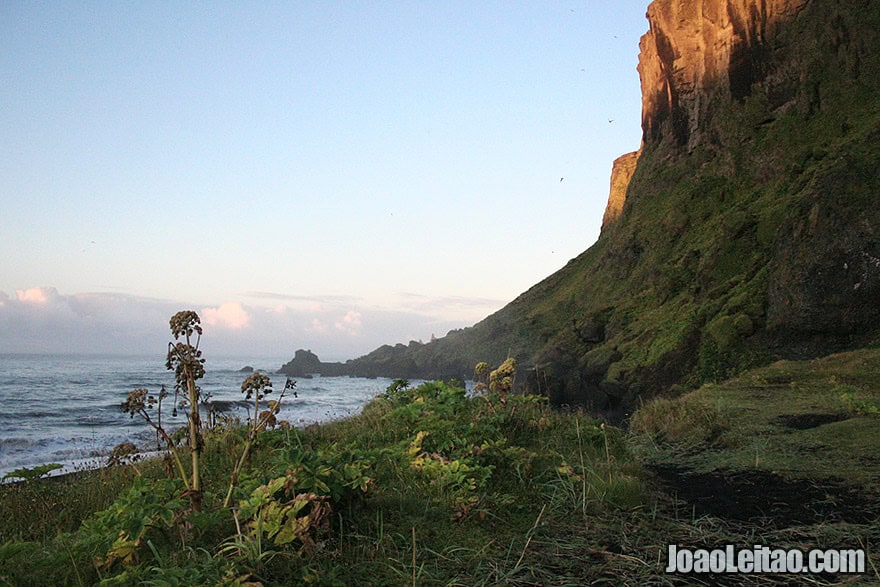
(760, 240)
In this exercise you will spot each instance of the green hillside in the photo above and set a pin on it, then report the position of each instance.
(751, 237)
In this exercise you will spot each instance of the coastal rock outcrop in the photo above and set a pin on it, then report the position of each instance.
(303, 364)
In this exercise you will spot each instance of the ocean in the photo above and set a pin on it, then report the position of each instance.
(66, 408)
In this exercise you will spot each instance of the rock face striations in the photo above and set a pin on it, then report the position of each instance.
(696, 57)
(706, 65)
(746, 227)
(701, 52)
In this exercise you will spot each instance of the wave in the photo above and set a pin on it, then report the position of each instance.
(227, 405)
(20, 443)
(55, 409)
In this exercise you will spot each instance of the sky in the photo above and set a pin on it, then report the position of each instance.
(324, 175)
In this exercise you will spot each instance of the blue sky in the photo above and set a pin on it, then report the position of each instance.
(327, 175)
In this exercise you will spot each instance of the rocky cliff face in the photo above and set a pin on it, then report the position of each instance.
(795, 59)
(696, 56)
(621, 173)
(699, 51)
(760, 120)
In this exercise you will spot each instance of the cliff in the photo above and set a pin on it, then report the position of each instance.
(745, 229)
(699, 53)
(621, 173)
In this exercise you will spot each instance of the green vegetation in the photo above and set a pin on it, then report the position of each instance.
(427, 485)
(185, 359)
(796, 419)
(432, 486)
(257, 386)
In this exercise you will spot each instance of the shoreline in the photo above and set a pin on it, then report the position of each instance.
(66, 472)
(71, 413)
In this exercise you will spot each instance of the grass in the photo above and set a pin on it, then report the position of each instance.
(426, 486)
(800, 419)
(35, 509)
(685, 421)
(430, 487)
(782, 455)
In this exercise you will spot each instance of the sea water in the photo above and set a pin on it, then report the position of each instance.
(66, 409)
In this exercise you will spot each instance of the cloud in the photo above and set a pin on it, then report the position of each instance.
(317, 326)
(350, 323)
(36, 295)
(44, 320)
(230, 315)
(313, 299)
(467, 309)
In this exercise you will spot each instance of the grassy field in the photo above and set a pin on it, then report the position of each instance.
(429, 486)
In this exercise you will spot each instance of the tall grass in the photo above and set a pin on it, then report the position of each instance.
(41, 508)
(686, 420)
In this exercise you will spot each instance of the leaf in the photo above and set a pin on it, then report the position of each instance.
(294, 528)
(273, 515)
(123, 548)
(275, 484)
(32, 473)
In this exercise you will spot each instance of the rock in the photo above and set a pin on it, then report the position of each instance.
(697, 52)
(825, 270)
(304, 362)
(246, 369)
(621, 172)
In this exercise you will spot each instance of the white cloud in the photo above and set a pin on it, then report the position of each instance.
(350, 323)
(466, 309)
(36, 295)
(317, 326)
(230, 315)
(43, 320)
(40, 319)
(320, 299)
